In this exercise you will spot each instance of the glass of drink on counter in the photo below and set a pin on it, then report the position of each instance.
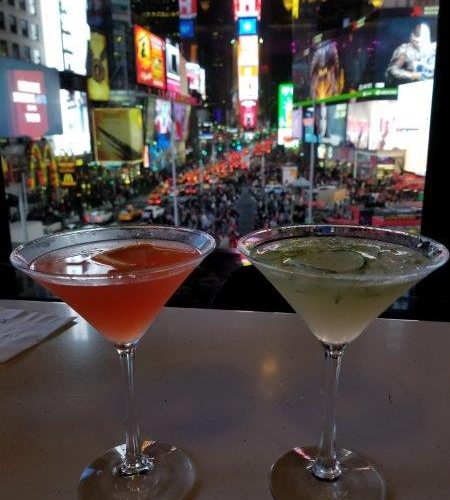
(118, 279)
(339, 279)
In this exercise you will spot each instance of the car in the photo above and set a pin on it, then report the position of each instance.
(97, 216)
(152, 212)
(154, 199)
(129, 214)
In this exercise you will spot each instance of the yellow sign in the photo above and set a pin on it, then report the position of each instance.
(68, 181)
(98, 77)
(296, 9)
(118, 134)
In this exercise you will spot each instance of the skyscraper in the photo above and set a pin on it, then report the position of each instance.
(20, 30)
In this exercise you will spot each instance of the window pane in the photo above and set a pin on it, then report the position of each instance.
(341, 91)
(3, 48)
(15, 51)
(32, 7)
(34, 31)
(13, 24)
(24, 27)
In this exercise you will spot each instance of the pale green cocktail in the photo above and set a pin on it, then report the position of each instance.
(338, 310)
(338, 278)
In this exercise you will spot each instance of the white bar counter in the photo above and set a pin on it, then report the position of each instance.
(235, 390)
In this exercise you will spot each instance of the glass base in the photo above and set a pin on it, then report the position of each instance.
(171, 476)
(291, 478)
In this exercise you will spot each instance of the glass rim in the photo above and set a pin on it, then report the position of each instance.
(285, 232)
(20, 263)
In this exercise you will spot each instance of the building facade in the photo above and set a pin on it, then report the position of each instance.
(21, 30)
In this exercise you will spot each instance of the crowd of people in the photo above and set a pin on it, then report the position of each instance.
(217, 209)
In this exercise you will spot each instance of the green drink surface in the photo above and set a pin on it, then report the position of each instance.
(341, 256)
(339, 285)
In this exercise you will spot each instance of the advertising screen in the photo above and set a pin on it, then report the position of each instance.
(309, 129)
(173, 67)
(358, 124)
(383, 127)
(202, 76)
(249, 114)
(143, 55)
(247, 26)
(29, 100)
(331, 123)
(186, 28)
(66, 48)
(413, 123)
(184, 89)
(297, 123)
(158, 62)
(97, 68)
(75, 138)
(118, 134)
(163, 123)
(247, 8)
(381, 53)
(372, 125)
(248, 50)
(150, 59)
(187, 8)
(193, 76)
(179, 119)
(248, 82)
(285, 105)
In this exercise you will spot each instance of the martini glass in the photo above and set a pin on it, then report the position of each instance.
(338, 278)
(118, 279)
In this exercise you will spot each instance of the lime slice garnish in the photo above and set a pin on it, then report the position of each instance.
(332, 261)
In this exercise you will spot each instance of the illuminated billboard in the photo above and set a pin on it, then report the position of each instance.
(187, 9)
(173, 67)
(76, 138)
(247, 8)
(247, 26)
(248, 50)
(193, 76)
(150, 59)
(29, 100)
(297, 123)
(184, 89)
(285, 108)
(97, 71)
(163, 123)
(203, 83)
(142, 49)
(381, 54)
(158, 62)
(248, 83)
(180, 118)
(186, 28)
(65, 33)
(285, 105)
(248, 114)
(118, 134)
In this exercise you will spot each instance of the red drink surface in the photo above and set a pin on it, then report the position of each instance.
(121, 305)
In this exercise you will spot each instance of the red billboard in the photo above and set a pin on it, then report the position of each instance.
(150, 58)
(188, 9)
(247, 8)
(249, 114)
(29, 103)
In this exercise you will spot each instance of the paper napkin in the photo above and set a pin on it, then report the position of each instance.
(20, 330)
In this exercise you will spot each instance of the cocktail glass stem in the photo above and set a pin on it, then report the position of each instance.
(327, 466)
(134, 462)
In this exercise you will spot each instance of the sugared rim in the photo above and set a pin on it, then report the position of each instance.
(19, 262)
(264, 236)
